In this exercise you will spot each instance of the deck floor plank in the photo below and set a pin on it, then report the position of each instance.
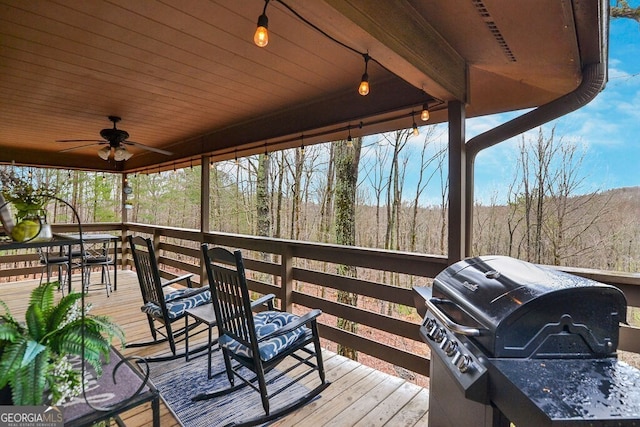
(358, 394)
(414, 413)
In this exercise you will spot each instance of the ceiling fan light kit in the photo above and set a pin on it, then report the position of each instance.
(104, 152)
(117, 140)
(121, 154)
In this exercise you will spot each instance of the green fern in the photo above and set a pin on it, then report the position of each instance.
(58, 314)
(35, 322)
(27, 353)
(11, 360)
(42, 296)
(8, 332)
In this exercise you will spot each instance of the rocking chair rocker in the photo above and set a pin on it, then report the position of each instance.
(162, 307)
(259, 341)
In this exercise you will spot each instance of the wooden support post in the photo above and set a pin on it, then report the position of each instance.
(457, 182)
(205, 194)
(286, 279)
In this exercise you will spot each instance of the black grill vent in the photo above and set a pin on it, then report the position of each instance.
(493, 28)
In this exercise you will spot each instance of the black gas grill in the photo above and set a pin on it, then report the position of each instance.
(514, 342)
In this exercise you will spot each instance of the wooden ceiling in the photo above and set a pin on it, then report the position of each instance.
(185, 76)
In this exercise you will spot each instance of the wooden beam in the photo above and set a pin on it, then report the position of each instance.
(457, 181)
(405, 37)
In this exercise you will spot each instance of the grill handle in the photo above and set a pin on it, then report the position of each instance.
(453, 326)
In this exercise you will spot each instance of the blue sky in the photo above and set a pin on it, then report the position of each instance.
(608, 128)
(606, 131)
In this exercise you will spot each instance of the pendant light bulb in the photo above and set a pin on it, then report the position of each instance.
(349, 139)
(364, 85)
(424, 116)
(416, 132)
(363, 89)
(261, 36)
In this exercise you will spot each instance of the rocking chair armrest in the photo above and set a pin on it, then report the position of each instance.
(266, 299)
(301, 321)
(186, 277)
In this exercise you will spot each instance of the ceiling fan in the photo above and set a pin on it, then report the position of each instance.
(116, 140)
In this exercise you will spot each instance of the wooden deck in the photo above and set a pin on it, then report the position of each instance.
(358, 395)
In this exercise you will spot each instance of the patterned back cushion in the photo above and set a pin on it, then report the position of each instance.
(267, 322)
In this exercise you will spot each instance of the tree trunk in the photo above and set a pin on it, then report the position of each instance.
(346, 164)
(262, 196)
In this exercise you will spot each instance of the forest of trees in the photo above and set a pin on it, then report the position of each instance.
(399, 200)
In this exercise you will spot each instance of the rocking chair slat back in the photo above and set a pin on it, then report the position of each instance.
(146, 266)
(233, 298)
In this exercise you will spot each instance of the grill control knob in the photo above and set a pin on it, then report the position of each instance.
(439, 335)
(444, 343)
(464, 363)
(432, 330)
(429, 324)
(450, 347)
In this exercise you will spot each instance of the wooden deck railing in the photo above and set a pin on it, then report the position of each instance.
(304, 274)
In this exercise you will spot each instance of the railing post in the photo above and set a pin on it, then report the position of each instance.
(205, 212)
(286, 279)
(156, 243)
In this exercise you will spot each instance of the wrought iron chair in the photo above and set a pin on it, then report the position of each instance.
(97, 258)
(164, 307)
(259, 341)
(49, 261)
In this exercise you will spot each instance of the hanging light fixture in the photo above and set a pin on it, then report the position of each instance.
(104, 152)
(424, 116)
(363, 89)
(302, 145)
(416, 132)
(349, 139)
(261, 36)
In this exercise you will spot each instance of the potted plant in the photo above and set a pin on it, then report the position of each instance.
(34, 355)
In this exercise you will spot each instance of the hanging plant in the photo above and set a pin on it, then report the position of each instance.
(29, 200)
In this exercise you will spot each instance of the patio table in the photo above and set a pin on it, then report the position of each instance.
(115, 394)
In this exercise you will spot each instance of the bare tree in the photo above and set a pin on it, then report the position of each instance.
(397, 140)
(545, 200)
(423, 182)
(327, 198)
(375, 173)
(623, 10)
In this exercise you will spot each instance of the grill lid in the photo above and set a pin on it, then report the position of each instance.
(521, 309)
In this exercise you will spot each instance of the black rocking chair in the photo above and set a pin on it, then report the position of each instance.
(259, 341)
(162, 307)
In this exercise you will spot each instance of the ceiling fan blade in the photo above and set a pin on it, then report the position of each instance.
(80, 140)
(146, 147)
(81, 146)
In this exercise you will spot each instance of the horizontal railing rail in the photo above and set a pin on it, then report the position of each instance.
(304, 275)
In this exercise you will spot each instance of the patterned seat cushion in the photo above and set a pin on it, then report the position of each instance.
(267, 322)
(179, 301)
